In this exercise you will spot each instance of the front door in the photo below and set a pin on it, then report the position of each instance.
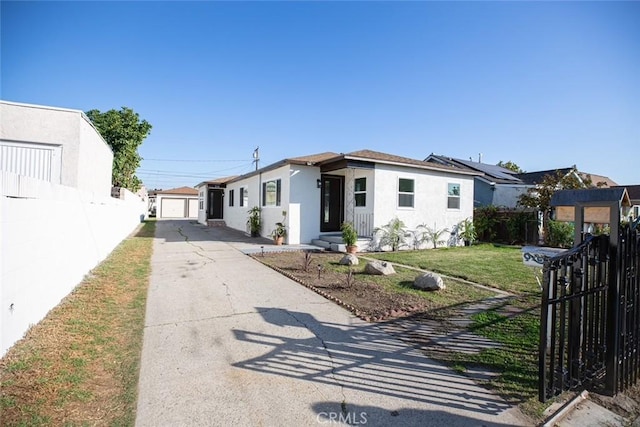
(214, 208)
(331, 203)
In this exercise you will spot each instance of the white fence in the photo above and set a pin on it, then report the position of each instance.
(51, 237)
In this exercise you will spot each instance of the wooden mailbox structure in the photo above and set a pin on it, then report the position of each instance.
(591, 206)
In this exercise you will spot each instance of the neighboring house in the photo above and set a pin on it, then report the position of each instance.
(496, 186)
(57, 145)
(634, 196)
(501, 187)
(315, 194)
(534, 178)
(177, 203)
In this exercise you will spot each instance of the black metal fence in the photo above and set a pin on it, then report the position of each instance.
(590, 316)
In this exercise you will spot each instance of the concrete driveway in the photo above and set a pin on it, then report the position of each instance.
(230, 342)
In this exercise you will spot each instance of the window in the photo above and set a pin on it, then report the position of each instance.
(244, 196)
(231, 197)
(405, 193)
(453, 201)
(360, 192)
(271, 193)
(201, 200)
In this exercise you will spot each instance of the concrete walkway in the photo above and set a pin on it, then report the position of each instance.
(230, 342)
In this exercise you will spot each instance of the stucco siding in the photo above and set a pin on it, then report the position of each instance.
(86, 159)
(304, 206)
(430, 198)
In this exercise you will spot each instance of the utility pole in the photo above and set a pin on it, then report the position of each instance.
(256, 157)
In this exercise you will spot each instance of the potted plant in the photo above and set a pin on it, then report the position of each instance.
(467, 231)
(255, 224)
(280, 232)
(349, 237)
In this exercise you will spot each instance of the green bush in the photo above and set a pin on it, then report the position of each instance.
(560, 234)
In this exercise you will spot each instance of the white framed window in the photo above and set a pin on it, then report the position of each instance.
(360, 192)
(271, 192)
(231, 194)
(244, 196)
(453, 196)
(406, 192)
(201, 200)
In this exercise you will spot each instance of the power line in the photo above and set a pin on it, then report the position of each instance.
(192, 160)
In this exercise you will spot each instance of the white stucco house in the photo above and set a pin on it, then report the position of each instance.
(319, 192)
(56, 145)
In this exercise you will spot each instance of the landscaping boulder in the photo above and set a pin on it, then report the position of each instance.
(379, 268)
(349, 259)
(429, 282)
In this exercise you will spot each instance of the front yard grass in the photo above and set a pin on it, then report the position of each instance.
(80, 364)
(497, 266)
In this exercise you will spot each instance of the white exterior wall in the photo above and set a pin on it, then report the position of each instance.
(300, 198)
(202, 197)
(273, 214)
(304, 204)
(51, 236)
(86, 159)
(430, 198)
(236, 216)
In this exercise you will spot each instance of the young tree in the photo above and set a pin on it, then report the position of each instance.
(124, 132)
(540, 196)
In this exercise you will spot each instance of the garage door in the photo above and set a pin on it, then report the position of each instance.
(172, 208)
(193, 208)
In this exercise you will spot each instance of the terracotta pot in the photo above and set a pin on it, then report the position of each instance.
(278, 240)
(352, 249)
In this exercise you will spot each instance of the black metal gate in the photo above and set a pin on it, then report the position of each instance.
(590, 316)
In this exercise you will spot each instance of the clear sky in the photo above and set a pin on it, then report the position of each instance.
(543, 84)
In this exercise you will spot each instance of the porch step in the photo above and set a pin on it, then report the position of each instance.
(216, 223)
(334, 242)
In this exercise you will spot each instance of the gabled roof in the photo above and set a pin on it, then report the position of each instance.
(590, 195)
(634, 192)
(218, 181)
(534, 178)
(360, 155)
(187, 191)
(492, 172)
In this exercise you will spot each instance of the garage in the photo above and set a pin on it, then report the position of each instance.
(177, 203)
(172, 208)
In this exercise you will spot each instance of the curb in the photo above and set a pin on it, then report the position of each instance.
(564, 410)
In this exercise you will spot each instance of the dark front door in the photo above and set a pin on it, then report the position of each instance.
(214, 209)
(331, 203)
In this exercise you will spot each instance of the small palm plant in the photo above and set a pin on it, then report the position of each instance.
(434, 235)
(392, 234)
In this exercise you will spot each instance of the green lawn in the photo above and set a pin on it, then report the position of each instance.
(497, 266)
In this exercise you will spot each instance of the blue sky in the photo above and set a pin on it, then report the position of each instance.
(543, 84)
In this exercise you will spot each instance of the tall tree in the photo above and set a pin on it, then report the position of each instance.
(124, 132)
(511, 166)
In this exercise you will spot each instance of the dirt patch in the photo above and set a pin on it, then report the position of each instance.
(370, 297)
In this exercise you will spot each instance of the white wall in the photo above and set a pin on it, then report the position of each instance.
(304, 204)
(86, 158)
(430, 197)
(51, 236)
